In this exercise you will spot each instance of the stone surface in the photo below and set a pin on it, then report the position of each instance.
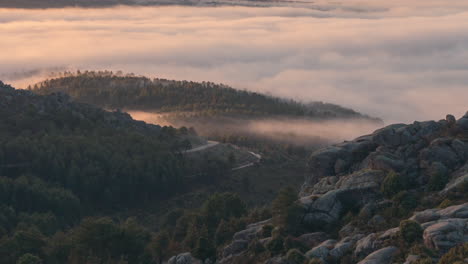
(364, 179)
(445, 234)
(313, 239)
(411, 259)
(382, 256)
(366, 245)
(456, 211)
(184, 258)
(235, 248)
(242, 239)
(463, 123)
(321, 251)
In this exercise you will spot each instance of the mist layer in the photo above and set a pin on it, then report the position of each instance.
(401, 61)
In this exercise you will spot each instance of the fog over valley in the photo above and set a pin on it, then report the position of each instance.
(398, 60)
(233, 131)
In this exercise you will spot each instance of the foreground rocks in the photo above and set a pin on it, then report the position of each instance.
(346, 180)
(350, 174)
(184, 258)
(382, 256)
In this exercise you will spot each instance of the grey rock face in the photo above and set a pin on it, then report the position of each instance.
(235, 248)
(456, 211)
(411, 259)
(277, 260)
(366, 245)
(458, 178)
(350, 174)
(241, 240)
(445, 234)
(184, 258)
(313, 239)
(321, 251)
(344, 246)
(463, 123)
(350, 190)
(328, 208)
(382, 256)
(364, 179)
(348, 230)
(440, 151)
(444, 228)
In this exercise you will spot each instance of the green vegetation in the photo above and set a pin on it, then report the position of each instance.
(287, 213)
(295, 256)
(437, 181)
(411, 231)
(69, 173)
(393, 184)
(456, 255)
(113, 91)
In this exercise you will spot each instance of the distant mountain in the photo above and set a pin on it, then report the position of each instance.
(202, 99)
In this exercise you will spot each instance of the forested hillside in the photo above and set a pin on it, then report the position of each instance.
(61, 161)
(79, 184)
(113, 91)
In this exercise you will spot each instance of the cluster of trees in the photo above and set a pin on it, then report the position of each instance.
(118, 91)
(67, 169)
(103, 158)
(62, 161)
(204, 231)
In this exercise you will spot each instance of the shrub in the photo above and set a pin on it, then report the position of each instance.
(267, 230)
(438, 176)
(275, 246)
(29, 259)
(295, 256)
(316, 261)
(294, 243)
(393, 184)
(256, 247)
(406, 199)
(410, 231)
(437, 181)
(423, 261)
(456, 255)
(445, 203)
(422, 251)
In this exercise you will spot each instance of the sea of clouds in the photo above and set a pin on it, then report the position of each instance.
(398, 60)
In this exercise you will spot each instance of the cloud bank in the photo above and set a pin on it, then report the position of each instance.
(400, 61)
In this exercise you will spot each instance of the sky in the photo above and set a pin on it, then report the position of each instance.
(397, 60)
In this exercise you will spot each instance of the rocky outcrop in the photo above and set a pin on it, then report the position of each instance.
(332, 249)
(463, 122)
(382, 256)
(241, 240)
(442, 235)
(351, 173)
(457, 180)
(313, 239)
(367, 245)
(456, 211)
(444, 228)
(184, 258)
(321, 251)
(350, 191)
(349, 176)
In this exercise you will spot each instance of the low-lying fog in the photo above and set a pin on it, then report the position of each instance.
(398, 60)
(296, 131)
